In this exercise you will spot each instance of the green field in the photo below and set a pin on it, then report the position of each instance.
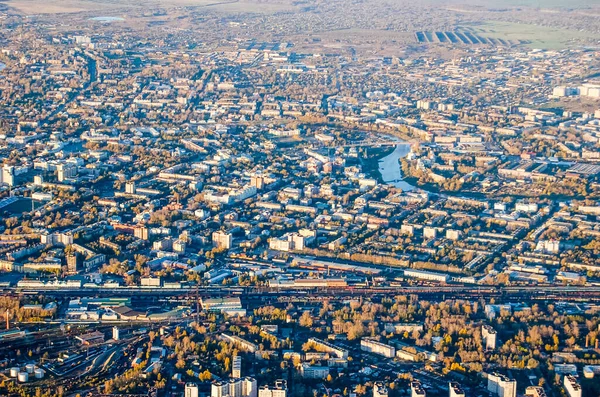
(528, 3)
(535, 36)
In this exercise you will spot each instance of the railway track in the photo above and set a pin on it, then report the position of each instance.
(264, 293)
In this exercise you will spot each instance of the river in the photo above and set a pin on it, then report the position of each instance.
(389, 167)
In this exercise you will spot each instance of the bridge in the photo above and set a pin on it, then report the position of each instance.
(373, 143)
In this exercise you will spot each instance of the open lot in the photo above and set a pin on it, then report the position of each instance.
(32, 7)
(527, 3)
(539, 3)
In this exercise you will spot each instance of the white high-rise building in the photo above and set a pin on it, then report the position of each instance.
(235, 387)
(572, 387)
(455, 390)
(130, 187)
(489, 337)
(115, 333)
(8, 175)
(66, 171)
(191, 390)
(502, 385)
(222, 239)
(236, 367)
(249, 387)
(219, 389)
(416, 390)
(239, 387)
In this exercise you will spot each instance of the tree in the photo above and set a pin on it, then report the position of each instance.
(306, 320)
(361, 390)
(205, 376)
(356, 330)
(108, 387)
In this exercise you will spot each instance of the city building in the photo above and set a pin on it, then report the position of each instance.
(66, 171)
(501, 385)
(489, 337)
(8, 175)
(373, 346)
(241, 343)
(130, 187)
(239, 387)
(279, 389)
(219, 389)
(229, 306)
(183, 154)
(416, 389)
(322, 345)
(191, 390)
(309, 371)
(236, 367)
(590, 371)
(572, 387)
(222, 239)
(535, 391)
(454, 390)
(73, 263)
(426, 275)
(141, 232)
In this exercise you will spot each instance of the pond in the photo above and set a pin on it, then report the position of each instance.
(106, 19)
